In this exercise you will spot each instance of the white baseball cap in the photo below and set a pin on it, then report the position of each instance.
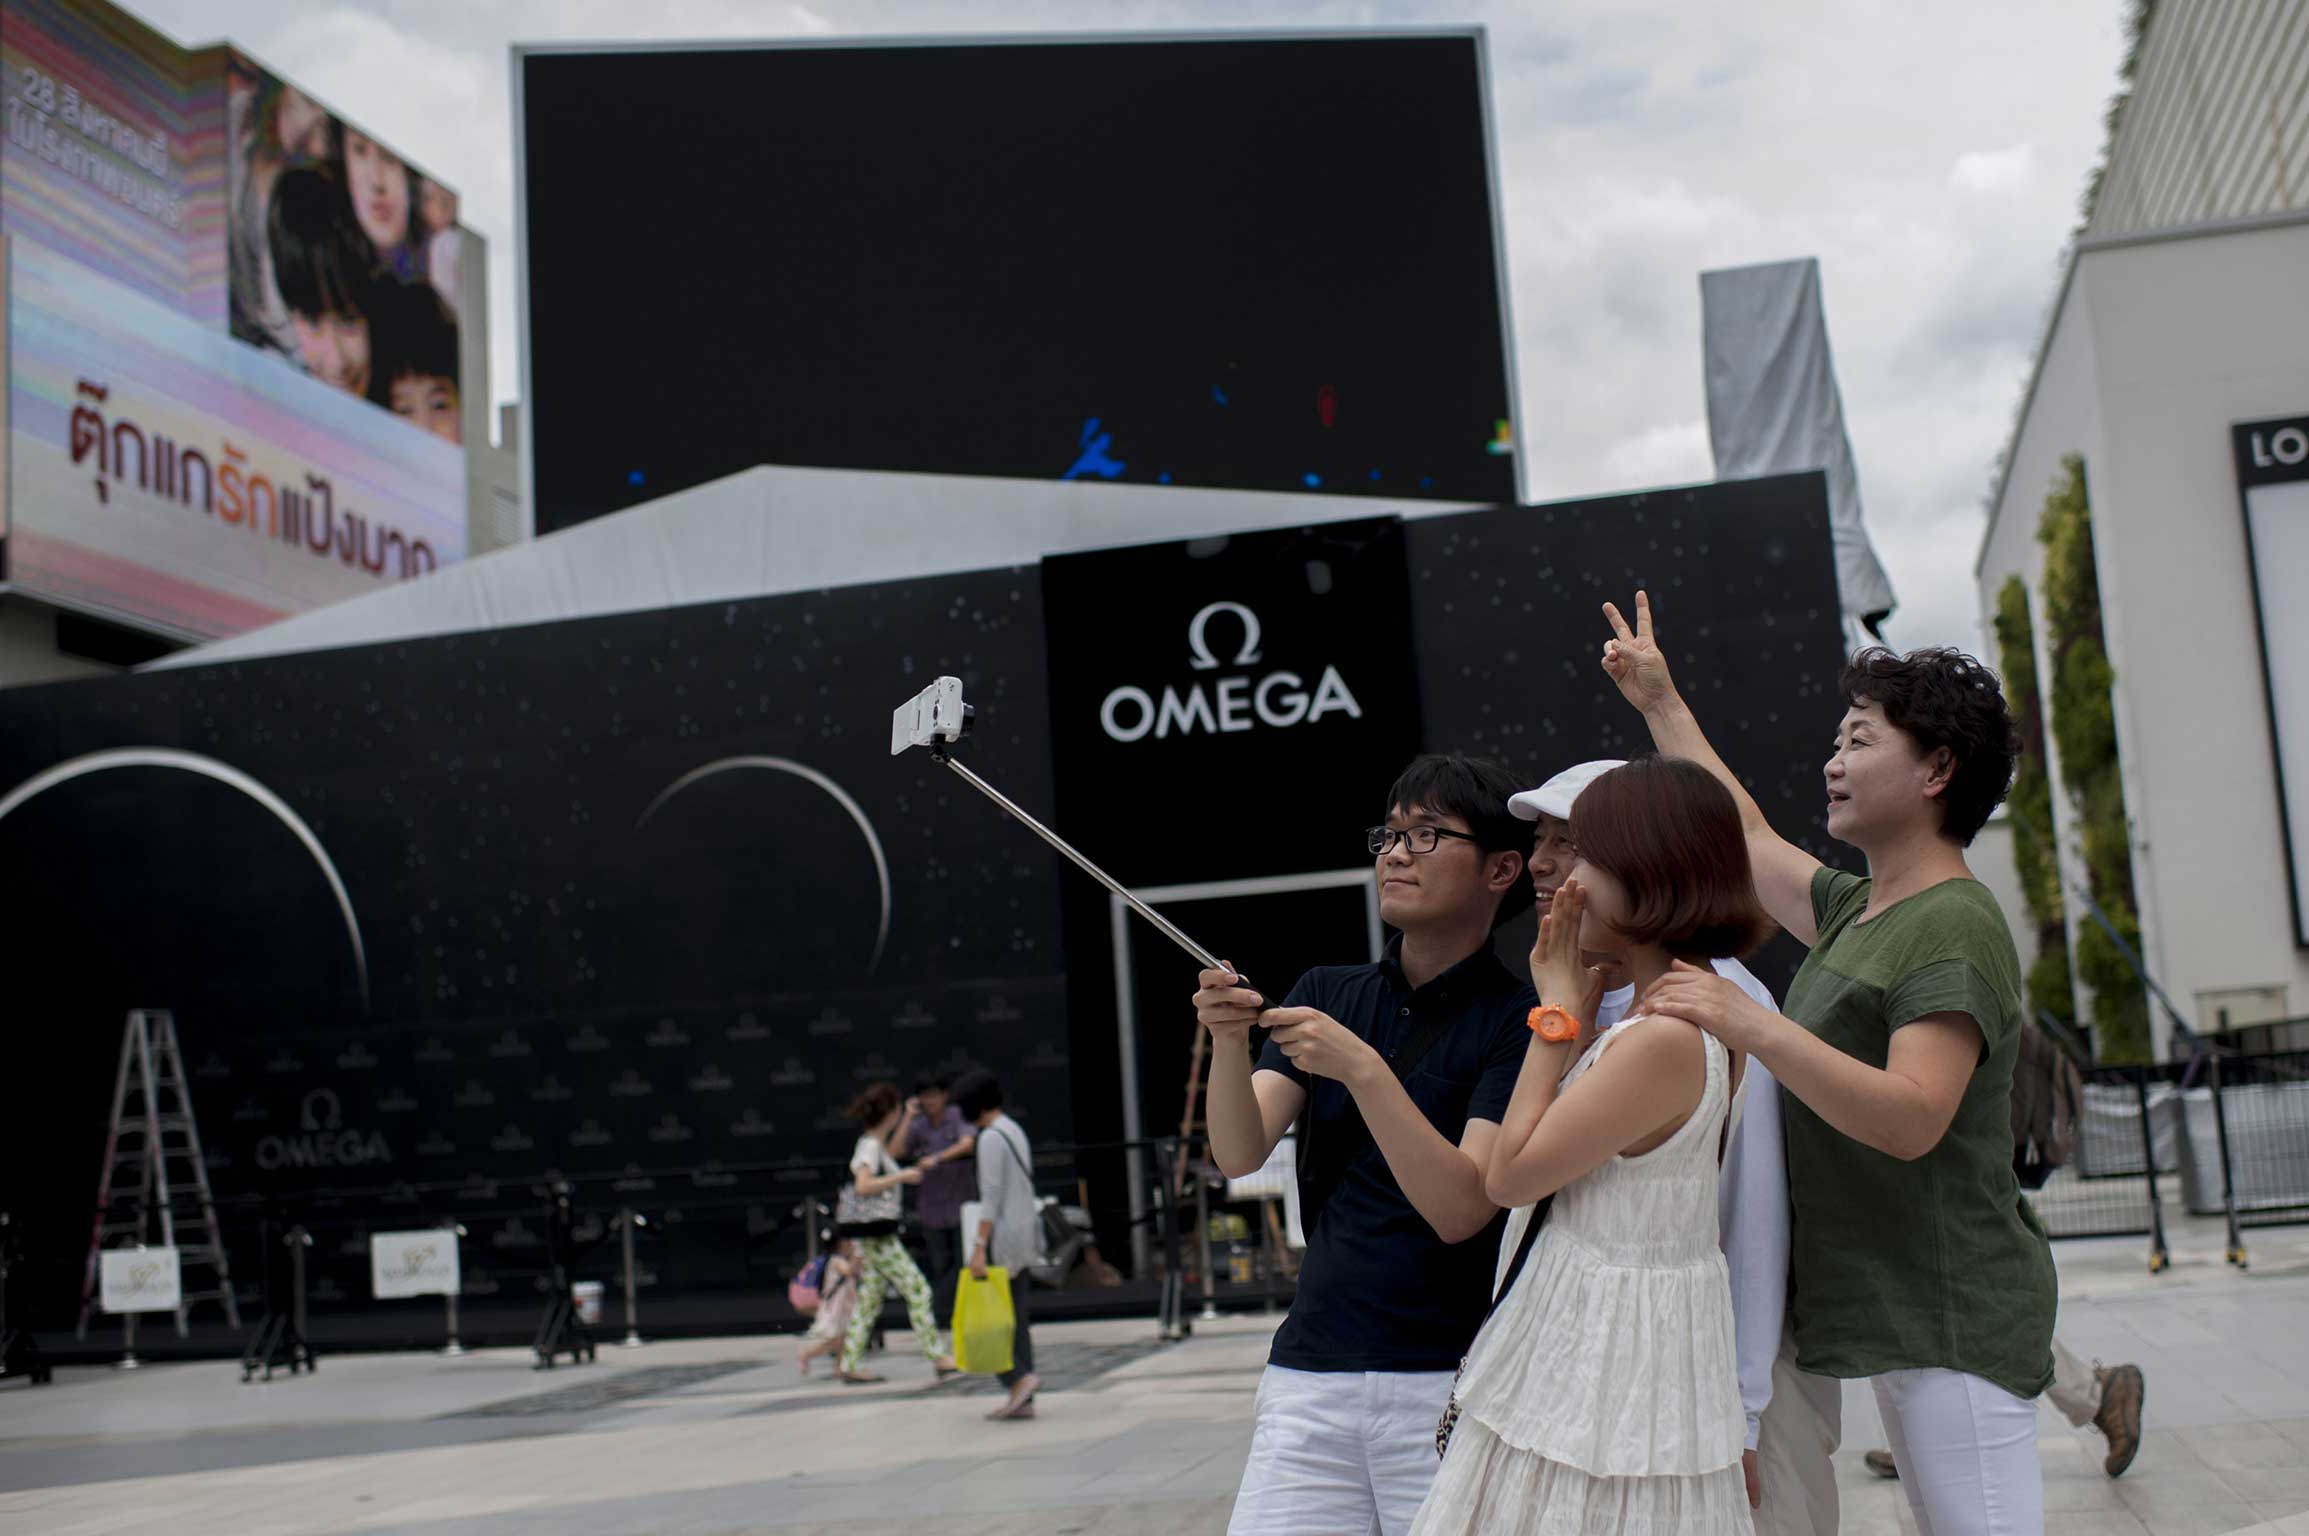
(1554, 798)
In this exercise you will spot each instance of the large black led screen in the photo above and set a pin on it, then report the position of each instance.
(1267, 264)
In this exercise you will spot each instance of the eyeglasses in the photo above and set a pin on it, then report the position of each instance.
(1417, 839)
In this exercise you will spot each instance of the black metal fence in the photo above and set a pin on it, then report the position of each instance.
(2220, 1134)
(1175, 1243)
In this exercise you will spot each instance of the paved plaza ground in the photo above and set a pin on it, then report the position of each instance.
(721, 1435)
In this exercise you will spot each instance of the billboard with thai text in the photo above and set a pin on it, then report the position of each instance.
(233, 390)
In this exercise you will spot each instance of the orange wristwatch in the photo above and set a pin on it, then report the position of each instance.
(1553, 1024)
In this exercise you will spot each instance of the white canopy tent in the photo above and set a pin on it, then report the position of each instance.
(775, 529)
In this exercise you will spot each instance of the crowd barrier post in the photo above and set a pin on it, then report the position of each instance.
(1210, 1311)
(632, 1339)
(2236, 1253)
(2159, 1256)
(299, 1241)
(456, 1346)
(1173, 1315)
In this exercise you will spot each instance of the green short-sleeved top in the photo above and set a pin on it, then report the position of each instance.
(1938, 1262)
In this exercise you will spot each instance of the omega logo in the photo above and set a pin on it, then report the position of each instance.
(1238, 702)
(311, 1114)
(323, 1141)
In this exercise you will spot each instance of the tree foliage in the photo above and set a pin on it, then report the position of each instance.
(2137, 21)
(2084, 727)
(2030, 806)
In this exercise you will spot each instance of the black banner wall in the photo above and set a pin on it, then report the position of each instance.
(644, 898)
(1508, 609)
(638, 897)
(1222, 710)
(1496, 650)
(1212, 700)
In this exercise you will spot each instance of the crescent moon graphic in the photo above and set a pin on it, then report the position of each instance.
(808, 775)
(224, 773)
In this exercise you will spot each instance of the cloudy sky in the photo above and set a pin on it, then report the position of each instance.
(1930, 156)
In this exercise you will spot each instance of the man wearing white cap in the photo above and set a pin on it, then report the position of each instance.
(1790, 1478)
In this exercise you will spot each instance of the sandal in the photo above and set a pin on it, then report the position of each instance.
(857, 1378)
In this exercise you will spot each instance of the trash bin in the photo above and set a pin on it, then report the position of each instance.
(2268, 1147)
(2109, 1131)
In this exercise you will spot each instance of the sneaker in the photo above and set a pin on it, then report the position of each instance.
(1882, 1464)
(2122, 1391)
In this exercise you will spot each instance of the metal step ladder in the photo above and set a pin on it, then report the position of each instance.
(154, 1168)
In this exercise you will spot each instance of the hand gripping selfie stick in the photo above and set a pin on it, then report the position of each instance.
(937, 718)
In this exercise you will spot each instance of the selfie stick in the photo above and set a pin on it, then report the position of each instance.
(937, 718)
(1169, 929)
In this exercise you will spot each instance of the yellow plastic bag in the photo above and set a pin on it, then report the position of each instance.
(983, 1322)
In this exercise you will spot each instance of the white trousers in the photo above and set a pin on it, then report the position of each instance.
(1967, 1453)
(1795, 1440)
(1346, 1453)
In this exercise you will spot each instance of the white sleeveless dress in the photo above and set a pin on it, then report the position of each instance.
(1603, 1394)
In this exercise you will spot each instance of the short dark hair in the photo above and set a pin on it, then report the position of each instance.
(413, 335)
(1476, 790)
(931, 1081)
(975, 1092)
(874, 1105)
(1938, 698)
(1669, 832)
(322, 263)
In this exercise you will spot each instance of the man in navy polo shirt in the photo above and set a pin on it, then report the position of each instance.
(1410, 1063)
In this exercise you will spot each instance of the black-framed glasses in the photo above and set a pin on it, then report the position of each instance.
(1418, 839)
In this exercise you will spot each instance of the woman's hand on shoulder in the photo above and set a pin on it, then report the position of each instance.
(1700, 997)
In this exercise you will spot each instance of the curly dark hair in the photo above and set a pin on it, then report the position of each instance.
(1940, 697)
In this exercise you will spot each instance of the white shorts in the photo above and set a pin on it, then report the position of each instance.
(1346, 1453)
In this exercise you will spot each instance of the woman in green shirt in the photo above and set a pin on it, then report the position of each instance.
(1914, 1260)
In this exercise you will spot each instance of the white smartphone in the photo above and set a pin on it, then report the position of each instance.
(935, 714)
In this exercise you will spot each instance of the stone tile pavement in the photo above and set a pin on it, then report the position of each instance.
(722, 1436)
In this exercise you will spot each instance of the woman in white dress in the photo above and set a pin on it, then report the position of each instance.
(1602, 1395)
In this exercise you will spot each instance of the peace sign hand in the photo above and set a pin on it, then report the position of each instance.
(1635, 661)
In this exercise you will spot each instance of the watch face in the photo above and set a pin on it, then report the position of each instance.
(1554, 1025)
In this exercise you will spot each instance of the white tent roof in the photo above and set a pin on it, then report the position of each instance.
(775, 529)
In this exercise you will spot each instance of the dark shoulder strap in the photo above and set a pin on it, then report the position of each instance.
(1016, 1156)
(1522, 1252)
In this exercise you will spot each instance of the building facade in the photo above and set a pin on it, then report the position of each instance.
(2183, 315)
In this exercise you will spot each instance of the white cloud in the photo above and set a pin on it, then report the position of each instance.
(1640, 143)
(1673, 454)
(1995, 170)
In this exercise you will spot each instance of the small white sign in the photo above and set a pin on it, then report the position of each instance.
(421, 1263)
(140, 1280)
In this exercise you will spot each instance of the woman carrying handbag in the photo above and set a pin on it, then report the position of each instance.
(867, 1212)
